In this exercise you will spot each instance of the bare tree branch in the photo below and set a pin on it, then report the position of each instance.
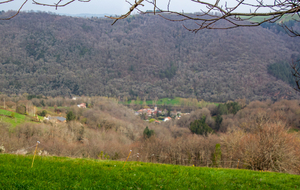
(296, 73)
(16, 12)
(132, 8)
(210, 13)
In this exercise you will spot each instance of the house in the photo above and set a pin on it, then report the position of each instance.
(157, 122)
(167, 119)
(57, 119)
(82, 105)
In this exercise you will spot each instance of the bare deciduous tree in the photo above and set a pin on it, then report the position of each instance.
(212, 14)
(296, 73)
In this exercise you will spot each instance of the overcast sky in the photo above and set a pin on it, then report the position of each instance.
(110, 7)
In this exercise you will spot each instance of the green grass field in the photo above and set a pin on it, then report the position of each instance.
(19, 118)
(68, 173)
(177, 101)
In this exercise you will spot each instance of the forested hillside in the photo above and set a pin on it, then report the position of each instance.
(140, 56)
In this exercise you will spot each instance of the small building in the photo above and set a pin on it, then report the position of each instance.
(149, 112)
(167, 119)
(82, 105)
(56, 119)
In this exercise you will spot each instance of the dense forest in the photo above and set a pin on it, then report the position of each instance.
(143, 55)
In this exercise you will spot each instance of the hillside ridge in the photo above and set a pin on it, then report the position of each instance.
(143, 56)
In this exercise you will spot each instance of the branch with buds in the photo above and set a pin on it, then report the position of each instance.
(210, 13)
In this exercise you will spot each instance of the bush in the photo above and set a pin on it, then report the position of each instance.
(12, 114)
(268, 147)
(271, 148)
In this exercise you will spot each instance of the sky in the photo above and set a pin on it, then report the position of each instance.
(110, 7)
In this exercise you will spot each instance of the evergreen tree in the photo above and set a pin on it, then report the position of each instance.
(219, 120)
(216, 157)
(148, 133)
(222, 109)
(200, 127)
(70, 116)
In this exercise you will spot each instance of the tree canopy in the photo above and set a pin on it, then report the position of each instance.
(211, 15)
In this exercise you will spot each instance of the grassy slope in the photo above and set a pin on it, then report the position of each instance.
(19, 118)
(13, 121)
(67, 173)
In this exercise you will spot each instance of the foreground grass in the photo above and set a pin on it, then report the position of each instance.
(68, 173)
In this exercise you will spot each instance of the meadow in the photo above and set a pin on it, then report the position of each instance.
(177, 101)
(69, 173)
(5, 116)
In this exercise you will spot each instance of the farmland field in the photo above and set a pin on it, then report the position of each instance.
(69, 173)
(17, 120)
(177, 101)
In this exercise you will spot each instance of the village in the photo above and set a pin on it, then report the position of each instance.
(150, 115)
(158, 116)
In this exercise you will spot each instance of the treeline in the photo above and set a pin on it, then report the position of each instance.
(261, 135)
(143, 56)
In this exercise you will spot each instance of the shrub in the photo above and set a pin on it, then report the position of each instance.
(268, 147)
(12, 114)
(271, 147)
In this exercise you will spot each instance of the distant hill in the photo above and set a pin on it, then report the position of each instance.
(142, 55)
(85, 15)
